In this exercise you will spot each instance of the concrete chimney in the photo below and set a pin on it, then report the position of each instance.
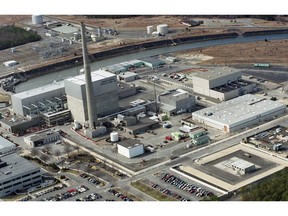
(91, 106)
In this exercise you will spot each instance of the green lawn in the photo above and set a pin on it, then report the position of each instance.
(151, 192)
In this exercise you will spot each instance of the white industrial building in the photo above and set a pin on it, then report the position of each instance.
(6, 147)
(222, 83)
(38, 100)
(239, 113)
(239, 165)
(42, 138)
(130, 148)
(175, 101)
(105, 93)
(17, 173)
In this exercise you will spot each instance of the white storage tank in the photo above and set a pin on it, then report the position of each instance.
(37, 19)
(149, 29)
(114, 137)
(162, 29)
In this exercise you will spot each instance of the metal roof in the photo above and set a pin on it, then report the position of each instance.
(5, 143)
(66, 29)
(17, 165)
(129, 143)
(95, 76)
(44, 89)
(239, 110)
(239, 163)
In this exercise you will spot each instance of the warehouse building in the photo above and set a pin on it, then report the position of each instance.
(127, 76)
(33, 102)
(153, 62)
(222, 83)
(130, 148)
(6, 147)
(105, 92)
(17, 173)
(176, 101)
(239, 113)
(41, 138)
(239, 165)
(18, 124)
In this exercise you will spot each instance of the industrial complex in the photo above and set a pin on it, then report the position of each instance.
(239, 113)
(157, 119)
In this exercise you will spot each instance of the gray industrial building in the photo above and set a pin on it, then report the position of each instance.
(239, 165)
(130, 148)
(40, 100)
(41, 138)
(105, 93)
(17, 173)
(153, 62)
(239, 113)
(6, 146)
(176, 101)
(223, 83)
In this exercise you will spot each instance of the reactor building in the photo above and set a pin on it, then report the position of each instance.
(105, 95)
(223, 83)
(239, 113)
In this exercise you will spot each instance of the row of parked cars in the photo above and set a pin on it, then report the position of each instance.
(90, 179)
(118, 194)
(166, 191)
(192, 189)
(55, 188)
(69, 193)
(90, 197)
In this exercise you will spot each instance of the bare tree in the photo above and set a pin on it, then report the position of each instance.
(34, 152)
(67, 150)
(78, 149)
(47, 148)
(57, 153)
(44, 157)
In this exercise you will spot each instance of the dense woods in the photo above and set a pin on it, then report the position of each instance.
(11, 36)
(274, 188)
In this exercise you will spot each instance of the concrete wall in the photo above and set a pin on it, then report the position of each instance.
(77, 108)
(224, 79)
(131, 152)
(21, 126)
(17, 102)
(19, 182)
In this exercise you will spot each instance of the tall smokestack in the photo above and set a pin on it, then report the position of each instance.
(91, 106)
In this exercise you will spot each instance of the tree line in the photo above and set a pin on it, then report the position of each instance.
(274, 188)
(11, 36)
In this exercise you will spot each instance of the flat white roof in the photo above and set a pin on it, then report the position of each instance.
(217, 72)
(239, 110)
(239, 163)
(36, 91)
(95, 76)
(5, 143)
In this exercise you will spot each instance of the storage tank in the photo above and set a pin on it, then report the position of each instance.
(149, 29)
(114, 137)
(162, 29)
(37, 19)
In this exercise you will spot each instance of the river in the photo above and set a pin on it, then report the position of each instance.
(48, 78)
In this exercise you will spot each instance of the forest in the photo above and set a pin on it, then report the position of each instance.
(274, 188)
(11, 36)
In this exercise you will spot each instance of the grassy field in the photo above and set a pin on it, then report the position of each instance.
(151, 192)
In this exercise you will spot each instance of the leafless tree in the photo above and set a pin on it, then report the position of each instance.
(57, 153)
(47, 148)
(78, 149)
(67, 150)
(44, 157)
(34, 152)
